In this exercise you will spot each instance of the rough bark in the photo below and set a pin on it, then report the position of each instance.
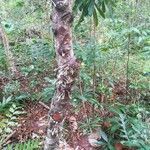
(66, 72)
(10, 59)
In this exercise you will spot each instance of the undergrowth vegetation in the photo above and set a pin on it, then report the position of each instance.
(112, 91)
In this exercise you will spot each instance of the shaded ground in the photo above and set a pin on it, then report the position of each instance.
(33, 124)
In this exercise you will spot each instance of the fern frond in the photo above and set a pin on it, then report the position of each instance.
(9, 121)
(28, 145)
(5, 102)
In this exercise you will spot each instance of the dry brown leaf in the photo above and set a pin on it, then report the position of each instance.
(74, 124)
(64, 146)
(118, 146)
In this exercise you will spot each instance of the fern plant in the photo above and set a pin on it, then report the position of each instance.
(9, 121)
(5, 101)
(131, 125)
(11, 118)
(28, 145)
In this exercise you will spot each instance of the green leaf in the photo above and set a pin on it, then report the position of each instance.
(103, 6)
(95, 18)
(91, 7)
(104, 135)
(18, 112)
(11, 123)
(8, 130)
(11, 110)
(100, 143)
(100, 11)
(136, 30)
(13, 118)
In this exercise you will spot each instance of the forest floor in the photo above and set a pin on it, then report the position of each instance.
(33, 123)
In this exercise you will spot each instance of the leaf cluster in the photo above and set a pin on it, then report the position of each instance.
(93, 8)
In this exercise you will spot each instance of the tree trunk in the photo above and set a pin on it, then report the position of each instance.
(67, 71)
(10, 59)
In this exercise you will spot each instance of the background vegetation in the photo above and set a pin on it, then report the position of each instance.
(112, 90)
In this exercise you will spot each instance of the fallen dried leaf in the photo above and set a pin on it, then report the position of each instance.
(106, 124)
(118, 146)
(74, 124)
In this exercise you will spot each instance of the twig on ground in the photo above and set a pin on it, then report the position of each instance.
(44, 105)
